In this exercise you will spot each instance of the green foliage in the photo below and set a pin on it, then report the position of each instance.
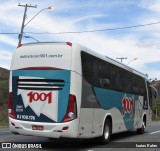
(155, 118)
(4, 115)
(4, 91)
(156, 107)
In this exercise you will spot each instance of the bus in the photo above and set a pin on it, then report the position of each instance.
(67, 90)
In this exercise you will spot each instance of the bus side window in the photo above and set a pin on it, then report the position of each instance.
(116, 79)
(95, 65)
(105, 75)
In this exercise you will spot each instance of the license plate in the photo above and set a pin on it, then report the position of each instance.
(37, 127)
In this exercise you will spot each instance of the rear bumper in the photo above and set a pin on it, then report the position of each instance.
(51, 130)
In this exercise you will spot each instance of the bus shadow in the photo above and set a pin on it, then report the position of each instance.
(78, 144)
(123, 135)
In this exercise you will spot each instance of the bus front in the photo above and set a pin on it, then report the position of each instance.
(40, 100)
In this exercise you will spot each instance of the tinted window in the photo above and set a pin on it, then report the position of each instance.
(95, 70)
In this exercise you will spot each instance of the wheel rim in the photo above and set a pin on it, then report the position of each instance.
(143, 125)
(106, 132)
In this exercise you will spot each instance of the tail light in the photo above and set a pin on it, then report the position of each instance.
(19, 45)
(71, 113)
(69, 44)
(10, 106)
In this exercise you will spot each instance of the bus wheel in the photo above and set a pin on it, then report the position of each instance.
(106, 132)
(142, 129)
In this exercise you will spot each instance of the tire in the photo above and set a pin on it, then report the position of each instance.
(105, 138)
(142, 129)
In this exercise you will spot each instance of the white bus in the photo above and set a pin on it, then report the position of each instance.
(67, 90)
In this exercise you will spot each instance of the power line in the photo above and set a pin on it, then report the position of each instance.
(87, 31)
(31, 38)
(9, 33)
(96, 30)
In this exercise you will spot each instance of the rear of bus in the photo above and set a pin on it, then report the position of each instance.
(42, 101)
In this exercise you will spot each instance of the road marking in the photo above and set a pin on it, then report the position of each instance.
(5, 131)
(155, 132)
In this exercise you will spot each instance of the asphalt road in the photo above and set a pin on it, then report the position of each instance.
(122, 140)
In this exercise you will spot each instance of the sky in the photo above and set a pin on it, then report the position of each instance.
(141, 42)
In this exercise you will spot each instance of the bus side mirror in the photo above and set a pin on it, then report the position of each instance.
(104, 82)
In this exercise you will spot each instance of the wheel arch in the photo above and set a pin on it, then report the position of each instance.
(109, 117)
(144, 118)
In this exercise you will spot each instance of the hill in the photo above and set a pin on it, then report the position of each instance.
(4, 91)
(4, 88)
(4, 74)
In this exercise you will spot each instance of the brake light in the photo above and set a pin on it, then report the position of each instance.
(19, 45)
(69, 44)
(10, 106)
(71, 113)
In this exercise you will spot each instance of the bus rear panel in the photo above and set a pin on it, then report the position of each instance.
(40, 102)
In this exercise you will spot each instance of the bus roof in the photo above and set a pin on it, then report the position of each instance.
(95, 53)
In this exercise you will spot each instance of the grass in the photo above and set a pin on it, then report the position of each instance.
(154, 117)
(4, 103)
(4, 91)
(4, 115)
(3, 125)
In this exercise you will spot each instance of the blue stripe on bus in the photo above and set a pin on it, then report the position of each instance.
(109, 99)
(47, 74)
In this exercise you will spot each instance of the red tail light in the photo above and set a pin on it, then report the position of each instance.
(69, 44)
(19, 45)
(10, 106)
(71, 113)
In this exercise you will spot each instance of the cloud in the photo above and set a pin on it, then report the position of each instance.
(5, 55)
(141, 43)
(10, 15)
(153, 6)
(127, 45)
(8, 40)
(5, 59)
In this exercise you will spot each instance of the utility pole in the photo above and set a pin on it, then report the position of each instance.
(23, 22)
(132, 60)
(121, 58)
